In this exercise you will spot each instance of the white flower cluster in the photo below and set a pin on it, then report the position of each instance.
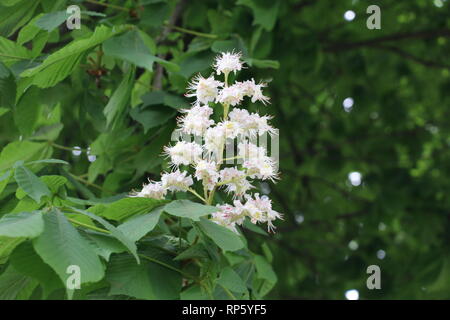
(258, 209)
(207, 158)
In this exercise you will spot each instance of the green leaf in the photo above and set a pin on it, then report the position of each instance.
(4, 179)
(152, 117)
(53, 182)
(155, 12)
(20, 150)
(274, 64)
(31, 184)
(13, 283)
(149, 280)
(264, 269)
(26, 112)
(154, 98)
(60, 246)
(128, 278)
(126, 207)
(60, 64)
(15, 14)
(51, 21)
(130, 47)
(9, 3)
(253, 227)
(7, 245)
(226, 239)
(29, 31)
(2, 109)
(11, 52)
(104, 244)
(7, 89)
(189, 209)
(100, 166)
(265, 273)
(4, 71)
(116, 233)
(231, 280)
(114, 110)
(138, 226)
(26, 261)
(264, 12)
(194, 292)
(196, 251)
(24, 224)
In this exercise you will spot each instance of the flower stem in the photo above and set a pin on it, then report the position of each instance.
(108, 5)
(195, 33)
(88, 183)
(196, 194)
(58, 146)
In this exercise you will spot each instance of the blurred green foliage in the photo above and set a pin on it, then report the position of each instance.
(395, 134)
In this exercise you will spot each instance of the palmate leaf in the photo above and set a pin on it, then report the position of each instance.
(60, 64)
(60, 246)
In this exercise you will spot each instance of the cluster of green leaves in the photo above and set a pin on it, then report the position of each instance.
(84, 115)
(99, 93)
(395, 135)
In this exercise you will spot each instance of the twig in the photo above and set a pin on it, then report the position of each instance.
(157, 80)
(424, 34)
(407, 55)
(108, 5)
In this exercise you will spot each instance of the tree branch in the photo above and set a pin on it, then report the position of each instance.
(424, 34)
(157, 80)
(409, 56)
